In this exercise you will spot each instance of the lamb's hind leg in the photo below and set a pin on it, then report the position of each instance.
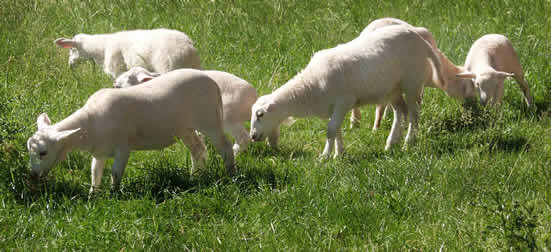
(355, 117)
(413, 118)
(198, 150)
(241, 136)
(119, 164)
(399, 108)
(223, 146)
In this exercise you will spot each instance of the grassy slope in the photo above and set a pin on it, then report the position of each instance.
(475, 179)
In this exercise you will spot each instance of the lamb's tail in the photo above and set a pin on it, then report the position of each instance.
(437, 72)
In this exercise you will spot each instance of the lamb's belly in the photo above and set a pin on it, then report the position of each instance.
(152, 140)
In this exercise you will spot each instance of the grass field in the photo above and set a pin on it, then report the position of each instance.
(477, 178)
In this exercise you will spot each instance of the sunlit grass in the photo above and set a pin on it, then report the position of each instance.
(477, 178)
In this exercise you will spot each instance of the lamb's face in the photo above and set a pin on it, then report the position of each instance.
(487, 84)
(134, 76)
(263, 118)
(44, 152)
(46, 146)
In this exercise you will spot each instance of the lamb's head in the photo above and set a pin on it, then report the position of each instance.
(77, 53)
(265, 118)
(487, 83)
(134, 76)
(46, 146)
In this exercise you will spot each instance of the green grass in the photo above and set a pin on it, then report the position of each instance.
(477, 179)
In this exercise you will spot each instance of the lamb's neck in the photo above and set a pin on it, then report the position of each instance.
(79, 119)
(94, 45)
(450, 70)
(296, 98)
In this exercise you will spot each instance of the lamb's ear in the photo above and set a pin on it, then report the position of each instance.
(65, 43)
(63, 135)
(289, 121)
(504, 74)
(43, 121)
(466, 75)
(143, 77)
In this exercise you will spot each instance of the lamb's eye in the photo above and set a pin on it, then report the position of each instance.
(259, 114)
(42, 154)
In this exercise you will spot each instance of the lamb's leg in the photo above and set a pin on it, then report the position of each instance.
(273, 138)
(241, 136)
(97, 172)
(197, 149)
(355, 117)
(524, 87)
(339, 145)
(413, 116)
(334, 125)
(119, 164)
(223, 146)
(399, 108)
(500, 90)
(378, 116)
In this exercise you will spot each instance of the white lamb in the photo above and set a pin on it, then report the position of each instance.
(238, 96)
(114, 122)
(490, 60)
(457, 86)
(159, 50)
(372, 69)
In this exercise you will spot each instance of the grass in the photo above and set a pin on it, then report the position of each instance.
(477, 178)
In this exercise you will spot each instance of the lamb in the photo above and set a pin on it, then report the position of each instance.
(457, 86)
(490, 60)
(238, 96)
(159, 50)
(372, 69)
(114, 122)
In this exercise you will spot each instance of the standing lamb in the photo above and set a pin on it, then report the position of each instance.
(490, 60)
(457, 86)
(159, 50)
(372, 69)
(114, 122)
(238, 96)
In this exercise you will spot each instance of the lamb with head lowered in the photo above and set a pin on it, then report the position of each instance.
(490, 60)
(372, 69)
(114, 122)
(158, 50)
(238, 96)
(457, 87)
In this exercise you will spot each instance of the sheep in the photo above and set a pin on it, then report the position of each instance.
(114, 122)
(159, 50)
(370, 69)
(238, 96)
(490, 60)
(457, 87)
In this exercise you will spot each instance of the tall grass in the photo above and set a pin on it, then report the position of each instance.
(477, 178)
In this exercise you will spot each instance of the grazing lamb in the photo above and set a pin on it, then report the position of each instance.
(114, 122)
(159, 50)
(238, 96)
(490, 60)
(371, 69)
(456, 87)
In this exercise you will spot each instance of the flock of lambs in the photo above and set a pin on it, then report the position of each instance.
(161, 94)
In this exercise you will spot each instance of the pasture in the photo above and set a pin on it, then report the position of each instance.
(477, 178)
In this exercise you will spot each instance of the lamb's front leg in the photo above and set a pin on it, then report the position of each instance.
(334, 125)
(273, 138)
(355, 117)
(97, 172)
(119, 164)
